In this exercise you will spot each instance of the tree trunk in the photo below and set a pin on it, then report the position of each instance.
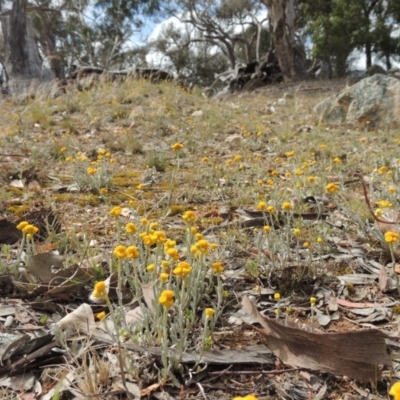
(368, 53)
(22, 58)
(282, 22)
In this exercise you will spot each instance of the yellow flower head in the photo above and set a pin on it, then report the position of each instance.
(277, 296)
(189, 217)
(320, 240)
(164, 277)
(395, 391)
(159, 237)
(144, 221)
(271, 209)
(91, 170)
(103, 190)
(101, 315)
(116, 211)
(120, 252)
(177, 146)
(30, 229)
(173, 253)
(296, 231)
(169, 244)
(313, 300)
(148, 240)
(131, 228)
(182, 270)
(150, 267)
(167, 298)
(165, 265)
(311, 179)
(384, 203)
(217, 267)
(267, 228)
(262, 205)
(132, 252)
(203, 246)
(248, 397)
(287, 206)
(391, 237)
(209, 312)
(100, 290)
(22, 225)
(331, 187)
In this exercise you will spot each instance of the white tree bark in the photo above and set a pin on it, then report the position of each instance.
(282, 21)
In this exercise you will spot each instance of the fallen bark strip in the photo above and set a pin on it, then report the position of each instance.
(356, 354)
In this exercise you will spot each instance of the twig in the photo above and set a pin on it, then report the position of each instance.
(368, 203)
(273, 372)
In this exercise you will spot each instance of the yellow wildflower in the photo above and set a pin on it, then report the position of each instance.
(164, 276)
(209, 312)
(306, 245)
(22, 225)
(271, 209)
(287, 206)
(151, 267)
(320, 240)
(167, 298)
(120, 252)
(165, 265)
(267, 228)
(100, 290)
(173, 253)
(217, 267)
(298, 172)
(289, 153)
(313, 301)
(177, 146)
(203, 246)
(144, 221)
(277, 296)
(391, 237)
(337, 160)
(331, 187)
(182, 270)
(391, 189)
(213, 246)
(262, 205)
(205, 159)
(131, 228)
(189, 217)
(103, 191)
(91, 171)
(311, 179)
(384, 203)
(101, 315)
(132, 252)
(296, 231)
(199, 236)
(395, 391)
(159, 237)
(148, 240)
(116, 211)
(248, 397)
(30, 229)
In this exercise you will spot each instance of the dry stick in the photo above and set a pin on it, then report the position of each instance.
(367, 202)
(273, 372)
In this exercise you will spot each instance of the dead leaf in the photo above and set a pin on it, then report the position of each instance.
(356, 354)
(80, 320)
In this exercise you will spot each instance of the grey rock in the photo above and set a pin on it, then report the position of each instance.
(375, 69)
(374, 101)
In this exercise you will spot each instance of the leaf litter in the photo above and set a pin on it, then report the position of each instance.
(46, 300)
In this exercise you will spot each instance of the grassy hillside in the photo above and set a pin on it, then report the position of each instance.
(186, 172)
